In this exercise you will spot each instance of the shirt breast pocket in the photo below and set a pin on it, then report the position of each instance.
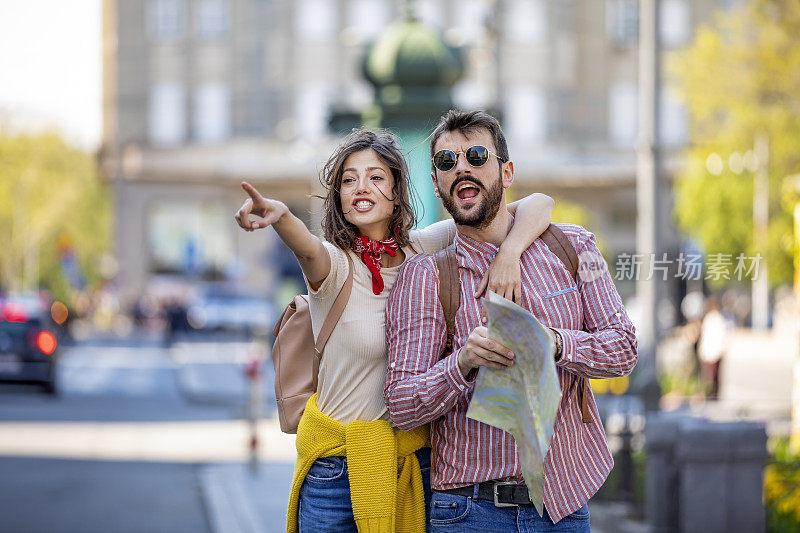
(562, 308)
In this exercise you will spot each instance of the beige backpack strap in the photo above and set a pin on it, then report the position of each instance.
(559, 244)
(449, 291)
(333, 317)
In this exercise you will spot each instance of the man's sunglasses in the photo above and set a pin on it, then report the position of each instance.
(476, 156)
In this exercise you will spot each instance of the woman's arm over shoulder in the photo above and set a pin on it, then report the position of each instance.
(433, 238)
(531, 217)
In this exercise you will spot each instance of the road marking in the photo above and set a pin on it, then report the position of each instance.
(213, 352)
(124, 371)
(179, 442)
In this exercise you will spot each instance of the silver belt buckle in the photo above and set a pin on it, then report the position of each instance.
(494, 488)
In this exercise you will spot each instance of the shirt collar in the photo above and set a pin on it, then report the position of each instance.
(472, 254)
(475, 255)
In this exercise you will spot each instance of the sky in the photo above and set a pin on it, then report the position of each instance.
(51, 66)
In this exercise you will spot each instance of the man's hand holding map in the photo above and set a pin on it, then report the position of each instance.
(522, 399)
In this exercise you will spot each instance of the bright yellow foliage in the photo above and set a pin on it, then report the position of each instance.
(740, 77)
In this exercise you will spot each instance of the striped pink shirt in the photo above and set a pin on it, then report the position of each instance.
(599, 342)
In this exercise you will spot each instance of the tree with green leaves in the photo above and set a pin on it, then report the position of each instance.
(52, 205)
(740, 78)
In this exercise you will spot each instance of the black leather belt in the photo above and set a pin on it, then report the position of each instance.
(502, 493)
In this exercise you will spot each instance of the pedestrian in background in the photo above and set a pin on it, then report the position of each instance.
(712, 345)
(348, 449)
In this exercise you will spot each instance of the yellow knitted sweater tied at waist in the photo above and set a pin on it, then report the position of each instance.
(385, 478)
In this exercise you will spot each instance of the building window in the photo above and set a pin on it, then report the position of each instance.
(167, 114)
(674, 23)
(193, 238)
(471, 17)
(431, 13)
(165, 19)
(212, 19)
(622, 22)
(368, 17)
(311, 111)
(315, 20)
(560, 105)
(673, 121)
(623, 113)
(563, 15)
(212, 112)
(470, 94)
(525, 115)
(526, 21)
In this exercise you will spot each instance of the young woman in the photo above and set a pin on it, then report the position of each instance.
(353, 468)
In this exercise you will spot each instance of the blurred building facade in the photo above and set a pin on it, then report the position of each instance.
(200, 94)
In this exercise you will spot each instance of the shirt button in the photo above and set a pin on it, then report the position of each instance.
(618, 315)
(591, 364)
(441, 405)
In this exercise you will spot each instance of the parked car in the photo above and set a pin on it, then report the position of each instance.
(220, 308)
(28, 343)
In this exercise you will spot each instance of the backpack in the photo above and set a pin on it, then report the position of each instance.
(450, 294)
(296, 356)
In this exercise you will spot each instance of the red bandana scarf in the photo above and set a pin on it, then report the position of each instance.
(370, 251)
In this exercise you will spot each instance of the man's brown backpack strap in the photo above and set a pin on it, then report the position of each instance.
(559, 244)
(296, 356)
(450, 293)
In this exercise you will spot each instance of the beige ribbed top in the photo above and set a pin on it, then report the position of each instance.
(353, 368)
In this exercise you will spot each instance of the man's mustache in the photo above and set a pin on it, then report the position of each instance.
(461, 180)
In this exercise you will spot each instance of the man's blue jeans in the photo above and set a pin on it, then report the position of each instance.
(451, 512)
(325, 494)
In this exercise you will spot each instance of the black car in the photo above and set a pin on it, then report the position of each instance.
(28, 345)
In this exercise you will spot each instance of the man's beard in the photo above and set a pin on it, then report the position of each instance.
(480, 214)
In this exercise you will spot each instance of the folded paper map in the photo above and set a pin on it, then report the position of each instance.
(522, 399)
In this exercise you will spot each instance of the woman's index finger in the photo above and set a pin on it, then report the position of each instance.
(249, 189)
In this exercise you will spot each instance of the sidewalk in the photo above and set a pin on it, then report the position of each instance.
(756, 382)
(240, 501)
(212, 372)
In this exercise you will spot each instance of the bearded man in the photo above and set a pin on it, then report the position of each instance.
(476, 475)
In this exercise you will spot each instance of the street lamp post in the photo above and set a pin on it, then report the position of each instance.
(648, 208)
(757, 162)
(760, 288)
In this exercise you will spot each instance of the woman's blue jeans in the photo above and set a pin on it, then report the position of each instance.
(325, 494)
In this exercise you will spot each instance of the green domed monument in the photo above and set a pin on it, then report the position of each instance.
(413, 72)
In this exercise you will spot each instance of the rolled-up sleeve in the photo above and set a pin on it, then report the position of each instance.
(420, 386)
(606, 347)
